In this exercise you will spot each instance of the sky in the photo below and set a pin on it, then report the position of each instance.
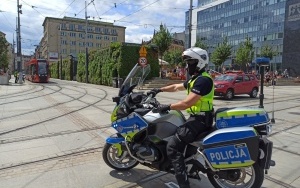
(140, 17)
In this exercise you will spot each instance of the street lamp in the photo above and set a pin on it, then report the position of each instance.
(262, 62)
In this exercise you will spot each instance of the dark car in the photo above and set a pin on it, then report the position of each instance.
(236, 83)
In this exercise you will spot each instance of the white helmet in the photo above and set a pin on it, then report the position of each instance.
(196, 53)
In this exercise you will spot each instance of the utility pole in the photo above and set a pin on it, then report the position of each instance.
(190, 34)
(13, 52)
(60, 62)
(190, 24)
(86, 47)
(19, 51)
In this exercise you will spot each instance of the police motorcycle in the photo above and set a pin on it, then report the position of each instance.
(234, 153)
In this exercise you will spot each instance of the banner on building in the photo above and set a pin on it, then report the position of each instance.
(53, 55)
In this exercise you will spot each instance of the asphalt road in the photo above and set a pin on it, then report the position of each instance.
(52, 135)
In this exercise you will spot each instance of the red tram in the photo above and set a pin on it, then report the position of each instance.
(37, 70)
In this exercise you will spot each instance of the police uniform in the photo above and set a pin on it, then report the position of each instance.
(200, 120)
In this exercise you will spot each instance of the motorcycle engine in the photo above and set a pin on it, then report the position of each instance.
(145, 152)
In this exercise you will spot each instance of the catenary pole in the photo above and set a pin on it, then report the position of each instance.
(86, 47)
(19, 48)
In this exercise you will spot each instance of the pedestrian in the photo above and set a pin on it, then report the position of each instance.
(198, 103)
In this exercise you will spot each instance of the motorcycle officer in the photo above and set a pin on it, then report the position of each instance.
(198, 103)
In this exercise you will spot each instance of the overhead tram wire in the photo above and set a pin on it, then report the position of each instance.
(115, 6)
(8, 21)
(84, 7)
(137, 11)
(67, 8)
(34, 8)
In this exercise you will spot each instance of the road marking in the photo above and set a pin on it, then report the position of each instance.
(172, 185)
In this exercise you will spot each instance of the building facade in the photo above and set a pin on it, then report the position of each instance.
(291, 42)
(261, 20)
(67, 36)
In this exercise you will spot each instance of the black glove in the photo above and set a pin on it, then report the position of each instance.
(154, 92)
(162, 108)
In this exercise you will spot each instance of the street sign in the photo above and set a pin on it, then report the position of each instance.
(143, 61)
(143, 51)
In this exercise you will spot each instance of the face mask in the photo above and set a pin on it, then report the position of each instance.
(192, 68)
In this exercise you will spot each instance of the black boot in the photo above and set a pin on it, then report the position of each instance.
(182, 180)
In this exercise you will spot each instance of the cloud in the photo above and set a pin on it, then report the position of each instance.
(139, 17)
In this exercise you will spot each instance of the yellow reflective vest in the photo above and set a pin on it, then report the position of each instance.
(205, 103)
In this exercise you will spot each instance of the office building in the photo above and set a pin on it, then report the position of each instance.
(67, 36)
(264, 21)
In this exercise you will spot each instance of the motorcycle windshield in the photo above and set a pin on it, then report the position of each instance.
(136, 77)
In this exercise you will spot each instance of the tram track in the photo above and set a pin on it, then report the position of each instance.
(29, 98)
(52, 118)
(26, 91)
(90, 150)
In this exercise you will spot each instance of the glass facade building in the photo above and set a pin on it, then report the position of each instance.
(261, 20)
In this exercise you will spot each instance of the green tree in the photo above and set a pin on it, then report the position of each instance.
(173, 56)
(162, 39)
(267, 51)
(245, 53)
(3, 53)
(221, 53)
(201, 44)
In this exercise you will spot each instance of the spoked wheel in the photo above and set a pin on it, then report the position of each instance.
(117, 159)
(251, 177)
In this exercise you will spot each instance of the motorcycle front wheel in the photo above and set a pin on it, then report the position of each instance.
(117, 160)
(250, 177)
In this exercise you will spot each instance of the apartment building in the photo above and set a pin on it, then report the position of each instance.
(67, 36)
(267, 22)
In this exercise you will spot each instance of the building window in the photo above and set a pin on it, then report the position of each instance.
(114, 32)
(73, 43)
(98, 37)
(106, 31)
(81, 28)
(71, 27)
(106, 37)
(81, 35)
(72, 34)
(63, 26)
(90, 36)
(81, 44)
(98, 45)
(114, 38)
(63, 42)
(98, 30)
(90, 28)
(62, 33)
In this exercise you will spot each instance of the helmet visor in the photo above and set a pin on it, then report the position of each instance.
(191, 61)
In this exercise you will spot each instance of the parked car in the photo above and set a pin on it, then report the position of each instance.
(236, 83)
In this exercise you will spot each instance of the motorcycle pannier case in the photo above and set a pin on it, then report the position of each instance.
(240, 117)
(231, 147)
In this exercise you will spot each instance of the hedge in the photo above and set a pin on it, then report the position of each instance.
(104, 64)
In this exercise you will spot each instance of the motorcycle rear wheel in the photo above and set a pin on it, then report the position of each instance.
(121, 162)
(251, 177)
